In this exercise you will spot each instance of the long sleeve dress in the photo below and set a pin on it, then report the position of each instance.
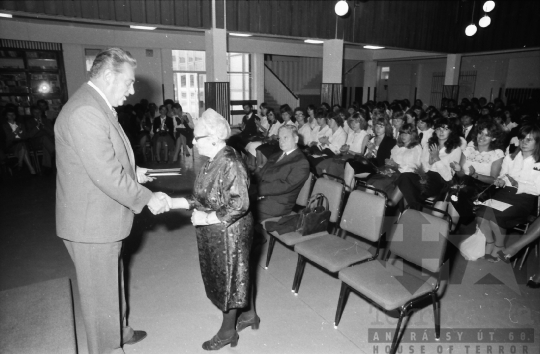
(222, 186)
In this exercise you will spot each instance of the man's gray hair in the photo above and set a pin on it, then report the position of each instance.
(112, 58)
(290, 127)
(214, 124)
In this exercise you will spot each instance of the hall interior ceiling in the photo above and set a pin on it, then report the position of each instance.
(429, 25)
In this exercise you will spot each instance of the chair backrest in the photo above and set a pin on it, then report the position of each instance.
(364, 215)
(420, 238)
(305, 192)
(332, 190)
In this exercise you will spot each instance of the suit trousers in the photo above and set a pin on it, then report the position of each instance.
(100, 279)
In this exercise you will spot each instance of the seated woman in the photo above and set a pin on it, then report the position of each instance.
(261, 150)
(377, 151)
(433, 180)
(323, 130)
(405, 157)
(328, 145)
(519, 183)
(144, 123)
(16, 136)
(183, 126)
(355, 145)
(480, 165)
(163, 128)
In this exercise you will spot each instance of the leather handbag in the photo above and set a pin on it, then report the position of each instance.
(315, 217)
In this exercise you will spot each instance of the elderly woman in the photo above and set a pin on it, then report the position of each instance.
(224, 228)
(519, 183)
(355, 145)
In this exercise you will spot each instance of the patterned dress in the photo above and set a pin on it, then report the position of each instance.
(222, 186)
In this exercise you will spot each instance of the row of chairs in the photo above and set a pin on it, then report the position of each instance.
(417, 238)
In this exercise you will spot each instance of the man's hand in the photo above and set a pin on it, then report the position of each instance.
(199, 218)
(159, 203)
(141, 175)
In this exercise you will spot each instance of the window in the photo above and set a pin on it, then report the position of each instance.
(189, 72)
(89, 56)
(385, 73)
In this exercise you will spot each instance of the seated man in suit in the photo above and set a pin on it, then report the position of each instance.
(282, 177)
(41, 135)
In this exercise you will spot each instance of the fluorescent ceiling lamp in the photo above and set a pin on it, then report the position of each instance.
(313, 41)
(373, 47)
(240, 34)
(148, 28)
(6, 15)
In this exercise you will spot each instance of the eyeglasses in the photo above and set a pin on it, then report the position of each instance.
(200, 137)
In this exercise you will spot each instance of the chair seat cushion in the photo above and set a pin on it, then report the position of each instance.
(292, 238)
(386, 285)
(332, 252)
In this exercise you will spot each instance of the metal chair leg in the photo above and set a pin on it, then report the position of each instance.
(524, 257)
(437, 315)
(343, 295)
(395, 343)
(271, 244)
(301, 265)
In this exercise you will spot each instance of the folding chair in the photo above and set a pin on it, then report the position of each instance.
(364, 217)
(305, 192)
(334, 191)
(417, 238)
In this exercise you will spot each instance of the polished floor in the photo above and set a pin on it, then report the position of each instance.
(167, 297)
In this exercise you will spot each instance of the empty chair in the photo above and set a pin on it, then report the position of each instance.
(417, 238)
(305, 192)
(363, 216)
(332, 190)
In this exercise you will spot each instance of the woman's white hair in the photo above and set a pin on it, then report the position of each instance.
(214, 124)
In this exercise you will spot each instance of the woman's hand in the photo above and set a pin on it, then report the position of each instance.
(344, 148)
(512, 181)
(455, 166)
(313, 143)
(434, 152)
(323, 140)
(499, 183)
(472, 171)
(199, 218)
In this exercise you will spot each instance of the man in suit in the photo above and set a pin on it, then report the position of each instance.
(467, 120)
(282, 177)
(41, 135)
(98, 191)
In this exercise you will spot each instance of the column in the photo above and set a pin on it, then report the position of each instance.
(257, 67)
(331, 88)
(451, 77)
(370, 81)
(216, 88)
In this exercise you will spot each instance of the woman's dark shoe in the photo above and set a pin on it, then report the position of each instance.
(216, 343)
(188, 154)
(491, 259)
(533, 284)
(253, 322)
(506, 258)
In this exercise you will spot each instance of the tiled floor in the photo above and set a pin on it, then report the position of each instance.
(167, 297)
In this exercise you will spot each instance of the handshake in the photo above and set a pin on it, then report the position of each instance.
(159, 203)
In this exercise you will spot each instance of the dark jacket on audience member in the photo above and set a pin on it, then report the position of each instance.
(280, 183)
(385, 147)
(169, 123)
(250, 128)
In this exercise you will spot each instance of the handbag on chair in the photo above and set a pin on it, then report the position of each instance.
(315, 217)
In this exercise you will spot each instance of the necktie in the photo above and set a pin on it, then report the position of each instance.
(421, 136)
(281, 157)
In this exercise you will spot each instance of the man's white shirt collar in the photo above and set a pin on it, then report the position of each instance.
(101, 94)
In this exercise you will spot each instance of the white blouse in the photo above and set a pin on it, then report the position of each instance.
(442, 166)
(324, 132)
(264, 123)
(408, 159)
(336, 141)
(525, 171)
(425, 137)
(274, 128)
(355, 139)
(305, 134)
(481, 161)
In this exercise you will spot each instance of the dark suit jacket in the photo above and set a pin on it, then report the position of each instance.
(281, 182)
(469, 136)
(47, 128)
(10, 136)
(385, 148)
(169, 123)
(250, 128)
(97, 192)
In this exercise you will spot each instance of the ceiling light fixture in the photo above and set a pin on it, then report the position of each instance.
(148, 28)
(373, 47)
(471, 29)
(484, 21)
(489, 6)
(240, 34)
(313, 41)
(341, 8)
(6, 15)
